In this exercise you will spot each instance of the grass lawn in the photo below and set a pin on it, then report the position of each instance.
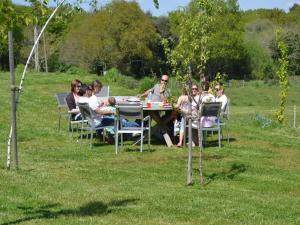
(253, 180)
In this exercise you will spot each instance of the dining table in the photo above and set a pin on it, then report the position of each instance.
(158, 111)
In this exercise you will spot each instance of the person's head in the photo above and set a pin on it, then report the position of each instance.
(75, 86)
(219, 90)
(205, 86)
(184, 90)
(164, 79)
(195, 90)
(85, 90)
(96, 86)
(111, 101)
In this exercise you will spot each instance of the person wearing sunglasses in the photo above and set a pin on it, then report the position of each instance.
(221, 97)
(72, 99)
(159, 93)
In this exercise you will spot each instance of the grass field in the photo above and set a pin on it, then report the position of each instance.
(255, 179)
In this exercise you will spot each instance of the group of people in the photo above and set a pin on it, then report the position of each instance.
(198, 97)
(105, 111)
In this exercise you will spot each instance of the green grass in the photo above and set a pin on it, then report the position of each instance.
(252, 180)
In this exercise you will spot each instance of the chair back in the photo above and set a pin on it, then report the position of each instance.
(130, 111)
(226, 112)
(210, 109)
(61, 99)
(87, 113)
(104, 92)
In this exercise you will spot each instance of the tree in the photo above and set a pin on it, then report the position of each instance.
(117, 35)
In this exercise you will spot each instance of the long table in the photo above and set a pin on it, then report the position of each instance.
(155, 112)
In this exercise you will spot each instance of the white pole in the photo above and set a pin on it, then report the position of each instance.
(23, 74)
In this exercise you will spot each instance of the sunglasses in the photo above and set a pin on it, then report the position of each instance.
(79, 86)
(164, 80)
(194, 88)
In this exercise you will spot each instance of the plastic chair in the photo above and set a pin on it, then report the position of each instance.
(131, 112)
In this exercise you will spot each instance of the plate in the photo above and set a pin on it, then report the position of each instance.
(133, 99)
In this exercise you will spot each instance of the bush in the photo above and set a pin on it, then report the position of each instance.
(146, 83)
(112, 75)
(76, 70)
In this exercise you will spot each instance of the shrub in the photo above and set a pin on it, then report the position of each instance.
(19, 69)
(146, 83)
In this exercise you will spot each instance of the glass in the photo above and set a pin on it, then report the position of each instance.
(164, 80)
(148, 105)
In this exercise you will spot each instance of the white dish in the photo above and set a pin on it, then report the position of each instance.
(133, 99)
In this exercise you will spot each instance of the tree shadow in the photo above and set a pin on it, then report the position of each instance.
(94, 208)
(236, 168)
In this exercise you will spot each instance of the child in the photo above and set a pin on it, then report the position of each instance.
(109, 106)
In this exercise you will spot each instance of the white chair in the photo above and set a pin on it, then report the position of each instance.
(89, 115)
(131, 112)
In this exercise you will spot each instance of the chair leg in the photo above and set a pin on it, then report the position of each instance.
(122, 141)
(116, 142)
(219, 137)
(149, 133)
(91, 139)
(142, 140)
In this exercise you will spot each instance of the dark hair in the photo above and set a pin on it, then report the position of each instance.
(74, 83)
(96, 83)
(83, 89)
(205, 86)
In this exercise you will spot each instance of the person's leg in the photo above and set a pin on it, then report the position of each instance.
(181, 132)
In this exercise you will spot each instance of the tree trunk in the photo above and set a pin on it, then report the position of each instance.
(36, 50)
(45, 53)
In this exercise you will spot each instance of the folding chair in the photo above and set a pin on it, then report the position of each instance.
(131, 112)
(89, 115)
(61, 106)
(104, 92)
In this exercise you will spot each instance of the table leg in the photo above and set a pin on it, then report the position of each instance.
(161, 125)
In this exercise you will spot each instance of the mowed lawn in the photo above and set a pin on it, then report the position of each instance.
(255, 179)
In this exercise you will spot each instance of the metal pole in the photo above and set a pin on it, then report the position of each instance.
(14, 89)
(295, 112)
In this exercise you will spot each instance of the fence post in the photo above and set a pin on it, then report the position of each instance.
(295, 113)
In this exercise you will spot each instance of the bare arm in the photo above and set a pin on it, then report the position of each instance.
(103, 111)
(145, 93)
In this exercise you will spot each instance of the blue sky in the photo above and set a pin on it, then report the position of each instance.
(169, 5)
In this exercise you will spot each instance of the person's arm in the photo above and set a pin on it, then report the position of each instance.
(145, 93)
(102, 111)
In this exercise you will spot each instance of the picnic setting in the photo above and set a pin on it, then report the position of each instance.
(149, 112)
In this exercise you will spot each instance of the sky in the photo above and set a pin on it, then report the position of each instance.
(166, 6)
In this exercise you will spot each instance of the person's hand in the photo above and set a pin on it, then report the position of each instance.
(162, 88)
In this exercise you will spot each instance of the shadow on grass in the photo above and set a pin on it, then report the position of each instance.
(236, 168)
(94, 208)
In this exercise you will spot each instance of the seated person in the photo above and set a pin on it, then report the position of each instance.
(159, 93)
(96, 88)
(72, 99)
(207, 97)
(182, 105)
(221, 97)
(100, 117)
(110, 105)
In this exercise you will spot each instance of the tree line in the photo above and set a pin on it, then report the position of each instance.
(240, 44)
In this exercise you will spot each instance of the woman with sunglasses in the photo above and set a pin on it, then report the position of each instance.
(72, 99)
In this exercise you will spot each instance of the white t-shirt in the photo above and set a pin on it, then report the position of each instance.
(97, 118)
(93, 102)
(224, 100)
